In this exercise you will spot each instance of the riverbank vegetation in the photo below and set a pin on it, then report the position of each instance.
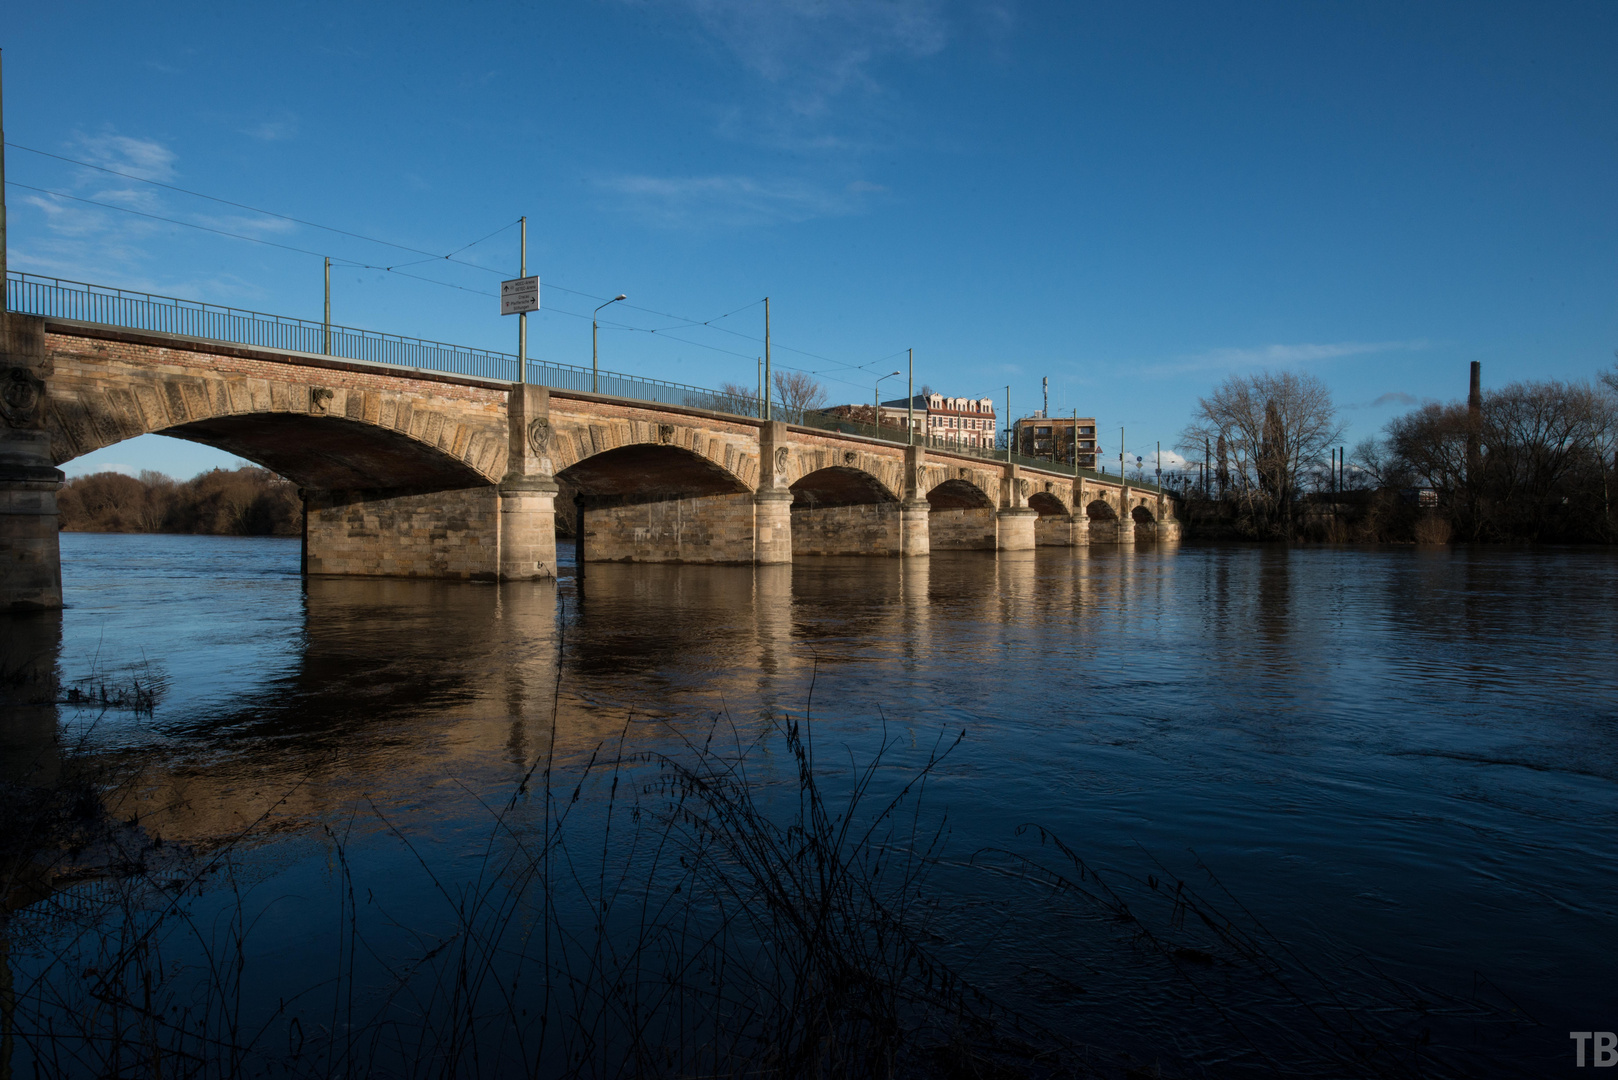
(222, 502)
(1531, 461)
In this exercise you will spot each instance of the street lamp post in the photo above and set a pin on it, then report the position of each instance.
(594, 370)
(876, 401)
(910, 401)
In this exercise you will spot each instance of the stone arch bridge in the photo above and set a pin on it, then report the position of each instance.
(417, 473)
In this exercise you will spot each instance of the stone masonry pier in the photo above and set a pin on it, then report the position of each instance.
(414, 473)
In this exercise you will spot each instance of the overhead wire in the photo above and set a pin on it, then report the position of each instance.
(256, 209)
(430, 256)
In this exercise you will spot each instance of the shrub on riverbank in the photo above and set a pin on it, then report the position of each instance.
(222, 502)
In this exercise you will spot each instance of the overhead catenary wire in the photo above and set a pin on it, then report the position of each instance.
(398, 269)
(430, 256)
(257, 209)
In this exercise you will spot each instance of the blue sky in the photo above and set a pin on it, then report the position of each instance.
(1133, 200)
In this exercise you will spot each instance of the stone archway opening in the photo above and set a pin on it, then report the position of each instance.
(1142, 516)
(1047, 504)
(647, 502)
(1101, 510)
(961, 517)
(841, 510)
(1054, 526)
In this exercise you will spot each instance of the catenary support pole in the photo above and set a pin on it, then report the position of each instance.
(4, 288)
(767, 374)
(1008, 423)
(522, 316)
(910, 400)
(325, 337)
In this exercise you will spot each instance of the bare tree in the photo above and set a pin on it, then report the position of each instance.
(1532, 464)
(798, 393)
(733, 398)
(1275, 428)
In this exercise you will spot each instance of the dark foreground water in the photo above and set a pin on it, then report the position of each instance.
(1391, 773)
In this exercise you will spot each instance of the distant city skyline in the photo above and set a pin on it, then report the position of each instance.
(1133, 202)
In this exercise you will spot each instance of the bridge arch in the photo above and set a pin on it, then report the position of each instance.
(1141, 515)
(839, 485)
(959, 493)
(962, 517)
(1101, 510)
(320, 437)
(668, 451)
(638, 473)
(844, 510)
(1048, 504)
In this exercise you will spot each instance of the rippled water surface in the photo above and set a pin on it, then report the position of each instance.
(1403, 757)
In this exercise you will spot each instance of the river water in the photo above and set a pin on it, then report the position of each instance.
(1393, 773)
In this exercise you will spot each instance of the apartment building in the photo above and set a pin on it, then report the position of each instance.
(950, 420)
(1056, 438)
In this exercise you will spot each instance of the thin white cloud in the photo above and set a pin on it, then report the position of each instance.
(80, 467)
(1277, 355)
(1392, 397)
(145, 158)
(277, 130)
(819, 48)
(820, 66)
(727, 201)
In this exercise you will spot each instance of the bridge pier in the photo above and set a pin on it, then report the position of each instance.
(527, 493)
(772, 498)
(527, 528)
(914, 535)
(30, 551)
(772, 526)
(1015, 530)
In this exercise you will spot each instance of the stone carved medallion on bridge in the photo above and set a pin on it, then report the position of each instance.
(966, 474)
(1049, 486)
(20, 396)
(781, 456)
(850, 457)
(539, 435)
(318, 398)
(665, 433)
(1022, 488)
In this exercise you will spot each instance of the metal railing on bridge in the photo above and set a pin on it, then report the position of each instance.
(56, 298)
(33, 294)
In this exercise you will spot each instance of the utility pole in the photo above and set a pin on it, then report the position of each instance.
(766, 358)
(522, 318)
(910, 403)
(1075, 440)
(1159, 467)
(760, 404)
(1045, 390)
(325, 341)
(1124, 517)
(5, 287)
(1008, 424)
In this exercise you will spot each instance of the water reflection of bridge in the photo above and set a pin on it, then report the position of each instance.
(401, 689)
(423, 462)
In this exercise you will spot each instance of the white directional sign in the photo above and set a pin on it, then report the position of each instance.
(519, 295)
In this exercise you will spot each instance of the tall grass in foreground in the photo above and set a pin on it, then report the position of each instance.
(688, 911)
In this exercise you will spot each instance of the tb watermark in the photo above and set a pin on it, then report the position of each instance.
(1603, 1048)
